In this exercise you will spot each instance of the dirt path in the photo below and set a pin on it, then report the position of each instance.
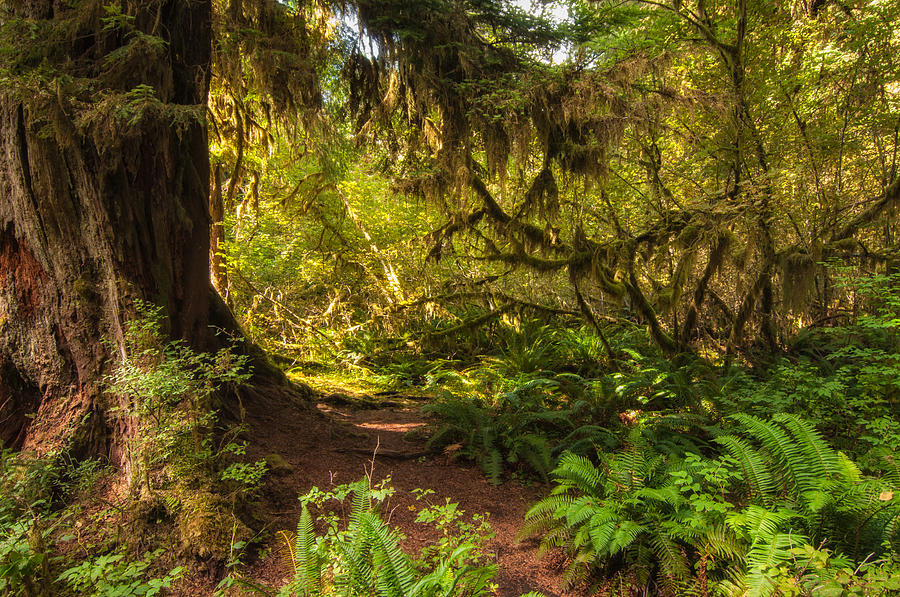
(334, 445)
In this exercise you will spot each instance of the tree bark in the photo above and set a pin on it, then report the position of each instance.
(95, 214)
(219, 273)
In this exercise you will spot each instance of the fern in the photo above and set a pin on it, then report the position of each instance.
(769, 547)
(521, 429)
(540, 518)
(764, 557)
(492, 465)
(579, 473)
(535, 450)
(602, 529)
(753, 465)
(723, 544)
(444, 580)
(307, 561)
(393, 571)
(785, 453)
(818, 455)
(656, 515)
(615, 513)
(577, 570)
(670, 555)
(365, 558)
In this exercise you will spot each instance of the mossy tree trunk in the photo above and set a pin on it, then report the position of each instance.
(103, 200)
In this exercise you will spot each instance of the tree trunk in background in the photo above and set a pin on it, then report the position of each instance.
(91, 221)
(219, 273)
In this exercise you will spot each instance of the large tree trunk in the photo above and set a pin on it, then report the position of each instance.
(103, 200)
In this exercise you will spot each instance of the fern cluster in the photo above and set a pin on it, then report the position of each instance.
(365, 557)
(527, 427)
(749, 520)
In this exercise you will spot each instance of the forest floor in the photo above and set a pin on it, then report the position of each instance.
(351, 434)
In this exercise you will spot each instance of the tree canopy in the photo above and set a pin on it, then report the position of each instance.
(699, 168)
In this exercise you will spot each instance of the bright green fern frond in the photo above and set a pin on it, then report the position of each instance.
(626, 534)
(307, 563)
(602, 531)
(849, 472)
(581, 538)
(764, 557)
(393, 571)
(559, 536)
(820, 458)
(753, 465)
(668, 496)
(670, 555)
(720, 541)
(757, 524)
(629, 467)
(581, 510)
(362, 503)
(580, 473)
(783, 450)
(356, 569)
(542, 517)
(550, 505)
(891, 466)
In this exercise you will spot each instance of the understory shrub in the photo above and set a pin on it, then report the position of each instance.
(362, 556)
(35, 525)
(525, 426)
(776, 507)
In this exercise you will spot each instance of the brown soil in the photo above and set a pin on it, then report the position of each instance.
(335, 444)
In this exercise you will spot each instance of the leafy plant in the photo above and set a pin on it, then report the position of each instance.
(637, 512)
(737, 521)
(521, 429)
(25, 556)
(111, 575)
(170, 391)
(365, 558)
(28, 489)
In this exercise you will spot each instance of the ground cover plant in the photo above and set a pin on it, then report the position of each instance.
(749, 520)
(366, 557)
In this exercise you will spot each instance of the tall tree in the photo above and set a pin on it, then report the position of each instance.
(103, 201)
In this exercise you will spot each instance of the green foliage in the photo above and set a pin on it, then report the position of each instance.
(364, 557)
(638, 511)
(171, 391)
(112, 575)
(845, 379)
(25, 555)
(33, 529)
(29, 489)
(529, 419)
(524, 427)
(778, 491)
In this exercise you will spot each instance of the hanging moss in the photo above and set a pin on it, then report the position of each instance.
(798, 280)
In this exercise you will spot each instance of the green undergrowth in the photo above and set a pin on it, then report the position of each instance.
(191, 484)
(677, 474)
(774, 510)
(665, 474)
(53, 543)
(344, 546)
